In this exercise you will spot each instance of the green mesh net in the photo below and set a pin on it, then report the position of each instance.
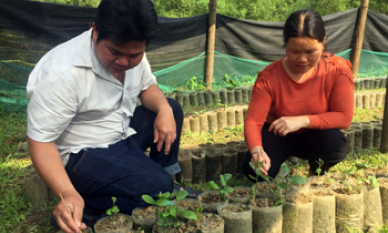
(228, 70)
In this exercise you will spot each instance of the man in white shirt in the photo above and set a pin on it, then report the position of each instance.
(85, 138)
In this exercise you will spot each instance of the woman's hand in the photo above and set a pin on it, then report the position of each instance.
(285, 125)
(260, 157)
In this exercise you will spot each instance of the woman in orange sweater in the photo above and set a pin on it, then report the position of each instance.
(300, 102)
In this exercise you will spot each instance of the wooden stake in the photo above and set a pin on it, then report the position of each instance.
(211, 38)
(362, 15)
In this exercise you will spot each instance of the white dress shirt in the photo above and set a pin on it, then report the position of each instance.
(76, 103)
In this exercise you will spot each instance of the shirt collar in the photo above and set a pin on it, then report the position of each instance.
(87, 58)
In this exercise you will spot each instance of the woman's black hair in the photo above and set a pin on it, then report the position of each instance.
(126, 20)
(304, 23)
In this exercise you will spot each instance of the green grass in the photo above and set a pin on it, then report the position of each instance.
(17, 215)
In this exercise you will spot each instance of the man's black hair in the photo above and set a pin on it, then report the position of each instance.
(126, 20)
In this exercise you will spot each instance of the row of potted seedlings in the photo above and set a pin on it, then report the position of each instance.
(370, 83)
(363, 136)
(362, 100)
(211, 97)
(369, 100)
(207, 161)
(335, 202)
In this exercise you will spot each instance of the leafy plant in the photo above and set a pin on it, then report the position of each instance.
(211, 140)
(281, 181)
(167, 213)
(229, 82)
(232, 132)
(195, 84)
(224, 188)
(319, 169)
(113, 211)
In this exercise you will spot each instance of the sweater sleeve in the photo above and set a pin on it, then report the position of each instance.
(257, 111)
(341, 102)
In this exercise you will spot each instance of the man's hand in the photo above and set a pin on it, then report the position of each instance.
(285, 125)
(259, 155)
(74, 203)
(164, 129)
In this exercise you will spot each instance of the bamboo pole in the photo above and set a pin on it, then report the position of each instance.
(363, 12)
(211, 37)
(384, 131)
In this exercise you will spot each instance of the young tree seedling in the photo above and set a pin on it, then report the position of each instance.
(280, 181)
(211, 140)
(113, 211)
(224, 188)
(319, 169)
(167, 213)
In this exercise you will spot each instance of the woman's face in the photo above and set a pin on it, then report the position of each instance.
(303, 53)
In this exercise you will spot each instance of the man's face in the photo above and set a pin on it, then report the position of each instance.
(118, 58)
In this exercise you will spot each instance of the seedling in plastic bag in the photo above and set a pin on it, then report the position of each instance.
(224, 188)
(281, 181)
(167, 214)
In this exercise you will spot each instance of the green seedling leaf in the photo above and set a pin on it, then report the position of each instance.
(252, 165)
(210, 132)
(160, 215)
(173, 211)
(252, 177)
(352, 170)
(164, 202)
(211, 185)
(330, 181)
(318, 171)
(228, 189)
(166, 195)
(176, 224)
(148, 199)
(281, 200)
(374, 181)
(166, 213)
(227, 176)
(188, 214)
(297, 180)
(115, 210)
(108, 212)
(114, 199)
(222, 179)
(282, 185)
(112, 211)
(258, 171)
(361, 166)
(285, 168)
(181, 195)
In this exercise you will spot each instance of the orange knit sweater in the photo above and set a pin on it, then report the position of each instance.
(326, 98)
